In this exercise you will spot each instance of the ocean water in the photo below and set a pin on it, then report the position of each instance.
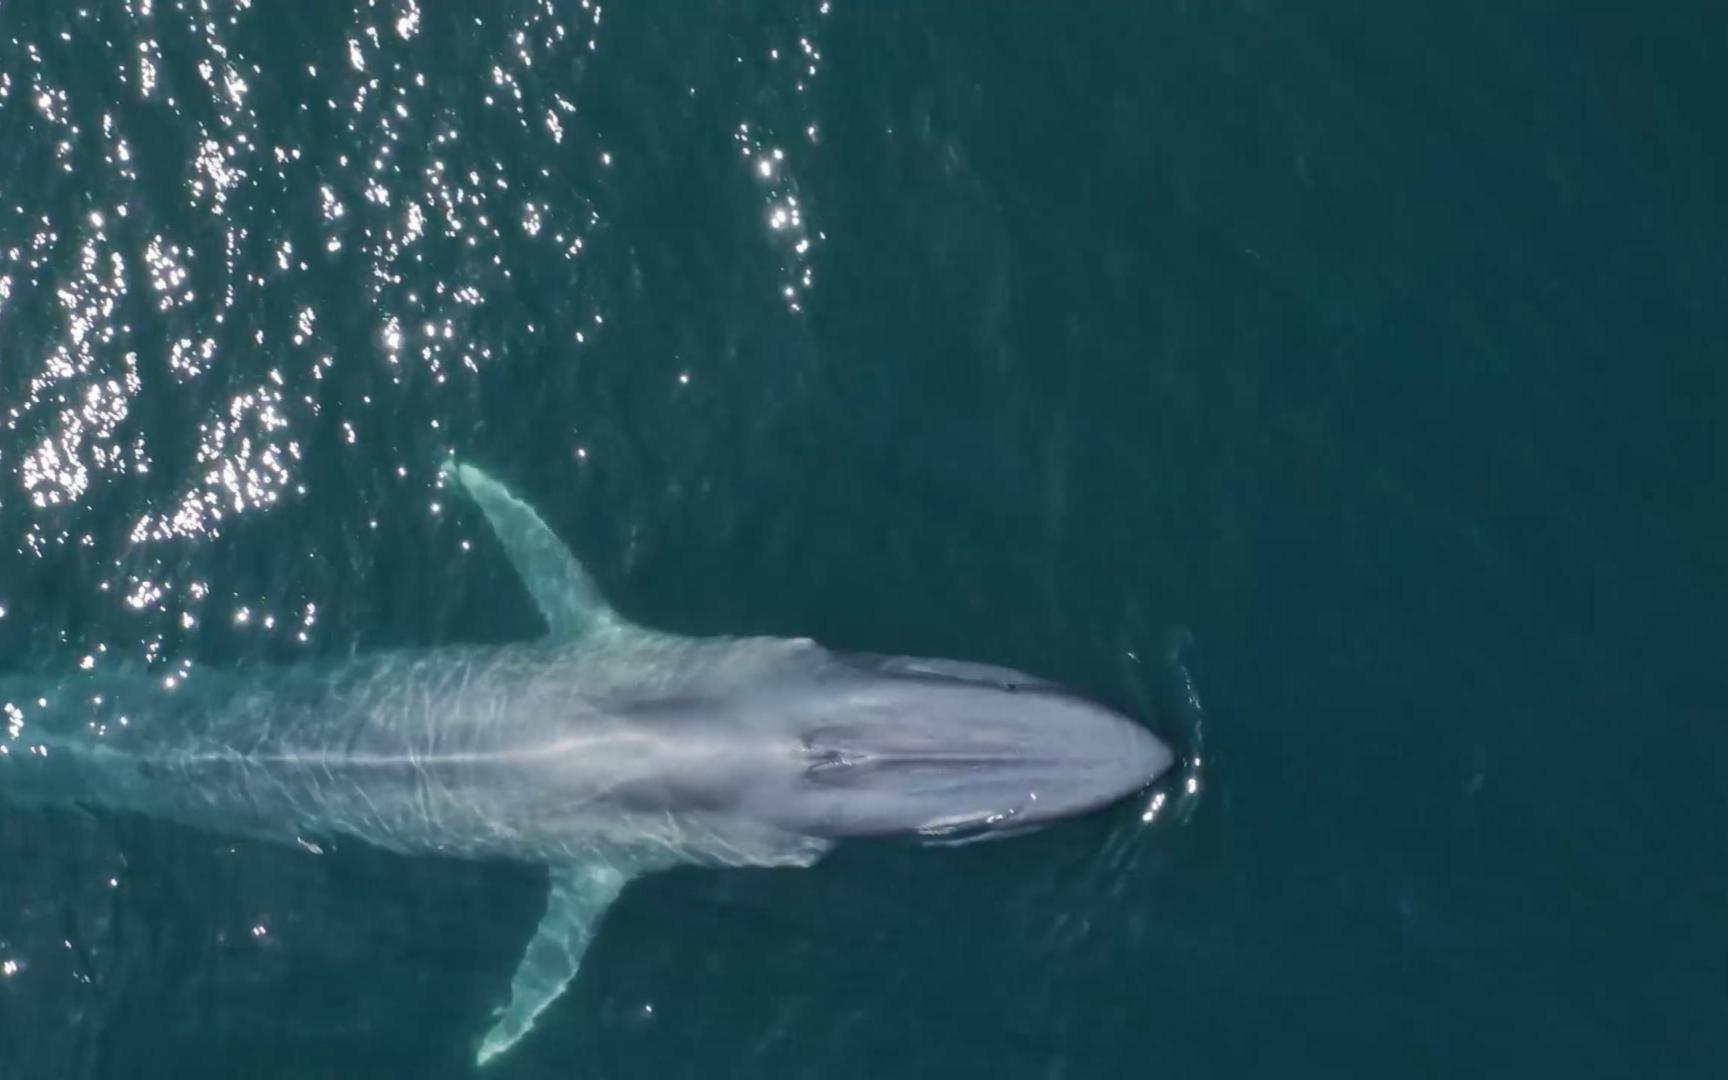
(1382, 346)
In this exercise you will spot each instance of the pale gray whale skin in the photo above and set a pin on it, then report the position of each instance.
(603, 751)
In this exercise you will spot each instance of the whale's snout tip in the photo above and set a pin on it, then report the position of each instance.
(1147, 757)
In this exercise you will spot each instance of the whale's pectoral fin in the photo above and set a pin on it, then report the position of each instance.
(579, 897)
(565, 594)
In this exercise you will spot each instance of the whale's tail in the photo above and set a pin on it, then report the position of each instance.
(98, 740)
(44, 756)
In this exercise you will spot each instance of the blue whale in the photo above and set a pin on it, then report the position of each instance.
(603, 751)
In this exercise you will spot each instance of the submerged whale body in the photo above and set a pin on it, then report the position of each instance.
(603, 751)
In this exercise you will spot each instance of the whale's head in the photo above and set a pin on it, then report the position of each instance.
(898, 746)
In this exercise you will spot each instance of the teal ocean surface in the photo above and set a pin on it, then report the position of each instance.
(1382, 346)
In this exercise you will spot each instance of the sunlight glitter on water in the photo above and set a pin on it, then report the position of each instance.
(242, 322)
(773, 161)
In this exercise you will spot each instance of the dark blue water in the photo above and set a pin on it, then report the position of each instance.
(1381, 345)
